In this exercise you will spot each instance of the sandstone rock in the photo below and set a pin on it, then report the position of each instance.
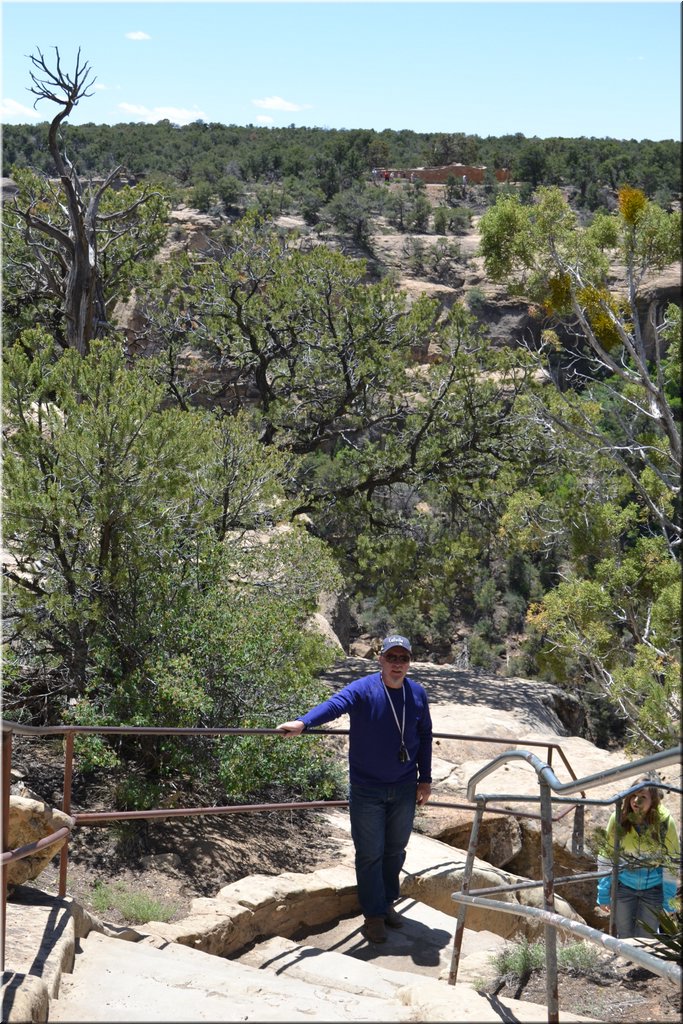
(436, 885)
(25, 999)
(8, 189)
(29, 821)
(527, 862)
(162, 861)
(317, 623)
(21, 789)
(364, 647)
(190, 227)
(658, 291)
(500, 836)
(335, 609)
(262, 905)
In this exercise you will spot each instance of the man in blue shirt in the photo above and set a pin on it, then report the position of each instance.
(390, 765)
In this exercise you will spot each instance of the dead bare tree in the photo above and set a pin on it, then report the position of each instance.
(66, 245)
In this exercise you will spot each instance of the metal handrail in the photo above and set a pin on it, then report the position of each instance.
(69, 732)
(9, 856)
(547, 781)
(545, 772)
(667, 969)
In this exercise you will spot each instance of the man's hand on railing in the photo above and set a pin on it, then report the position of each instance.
(294, 728)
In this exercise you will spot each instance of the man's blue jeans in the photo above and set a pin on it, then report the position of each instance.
(381, 823)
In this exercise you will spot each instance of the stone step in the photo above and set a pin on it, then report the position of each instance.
(424, 945)
(116, 981)
(348, 962)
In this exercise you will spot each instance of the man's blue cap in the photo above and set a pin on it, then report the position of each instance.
(396, 641)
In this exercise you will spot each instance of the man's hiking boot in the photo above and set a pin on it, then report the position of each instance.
(373, 929)
(393, 919)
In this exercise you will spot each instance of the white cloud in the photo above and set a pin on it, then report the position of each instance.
(277, 103)
(264, 119)
(176, 115)
(137, 37)
(10, 110)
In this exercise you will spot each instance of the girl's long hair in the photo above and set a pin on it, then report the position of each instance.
(652, 816)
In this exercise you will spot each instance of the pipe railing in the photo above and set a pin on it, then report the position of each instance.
(667, 969)
(547, 778)
(545, 772)
(549, 785)
(9, 856)
(70, 732)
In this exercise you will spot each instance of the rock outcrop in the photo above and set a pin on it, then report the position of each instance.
(29, 821)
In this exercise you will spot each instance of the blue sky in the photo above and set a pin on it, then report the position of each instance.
(487, 68)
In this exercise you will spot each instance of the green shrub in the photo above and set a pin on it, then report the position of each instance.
(482, 654)
(441, 219)
(254, 768)
(475, 300)
(201, 196)
(516, 961)
(578, 958)
(459, 220)
(414, 249)
(230, 191)
(418, 216)
(136, 793)
(134, 907)
(519, 960)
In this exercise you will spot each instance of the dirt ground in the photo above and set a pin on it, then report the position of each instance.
(618, 992)
(174, 862)
(171, 860)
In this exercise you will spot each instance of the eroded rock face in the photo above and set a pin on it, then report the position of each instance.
(262, 905)
(499, 841)
(29, 821)
(435, 886)
(527, 862)
(515, 843)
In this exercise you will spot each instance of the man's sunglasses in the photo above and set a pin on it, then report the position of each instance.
(397, 658)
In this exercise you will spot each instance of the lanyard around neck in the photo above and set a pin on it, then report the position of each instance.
(401, 728)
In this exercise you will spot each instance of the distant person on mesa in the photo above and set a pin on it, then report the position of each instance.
(390, 770)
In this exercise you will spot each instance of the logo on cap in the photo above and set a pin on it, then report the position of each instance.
(397, 641)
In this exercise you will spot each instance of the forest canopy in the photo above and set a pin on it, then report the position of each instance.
(335, 158)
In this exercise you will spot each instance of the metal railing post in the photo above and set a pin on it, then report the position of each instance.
(6, 782)
(66, 807)
(552, 997)
(578, 832)
(466, 879)
(615, 870)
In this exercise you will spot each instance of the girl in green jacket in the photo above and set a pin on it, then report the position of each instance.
(649, 861)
